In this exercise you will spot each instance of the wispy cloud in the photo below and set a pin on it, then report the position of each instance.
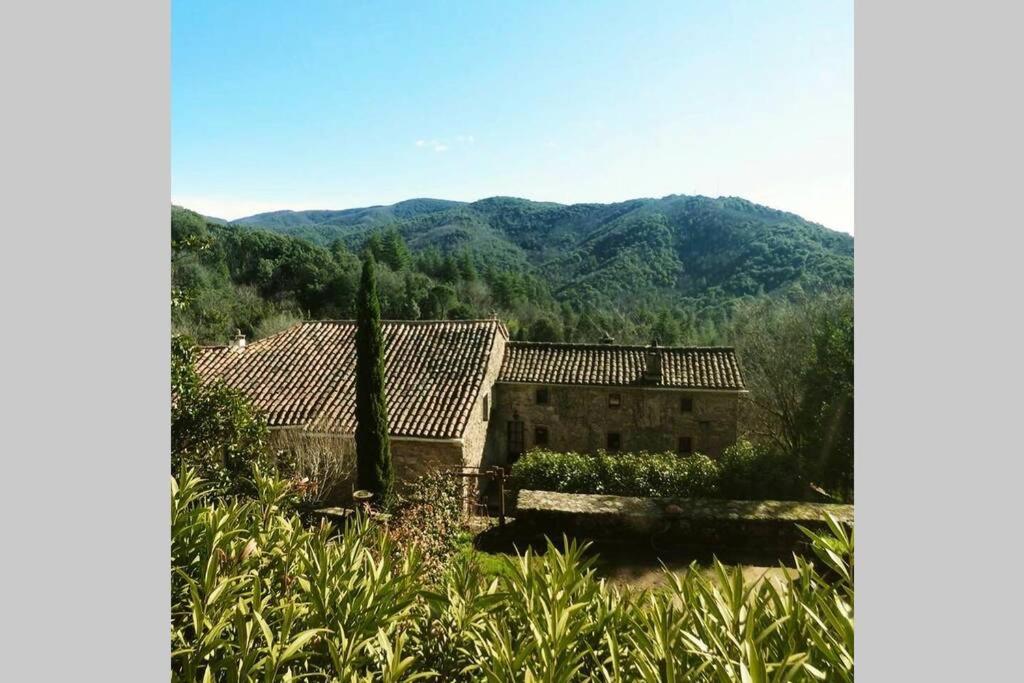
(436, 145)
(444, 145)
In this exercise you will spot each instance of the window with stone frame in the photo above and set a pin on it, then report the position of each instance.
(614, 441)
(685, 446)
(686, 404)
(540, 436)
(543, 397)
(614, 400)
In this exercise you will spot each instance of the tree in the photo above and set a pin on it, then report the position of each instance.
(666, 329)
(394, 252)
(798, 365)
(439, 299)
(466, 268)
(774, 342)
(374, 470)
(826, 412)
(544, 330)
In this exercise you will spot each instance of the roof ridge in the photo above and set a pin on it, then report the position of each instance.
(599, 345)
(404, 322)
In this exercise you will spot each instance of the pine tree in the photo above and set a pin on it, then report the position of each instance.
(374, 470)
(394, 252)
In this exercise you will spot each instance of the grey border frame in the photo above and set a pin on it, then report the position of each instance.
(85, 277)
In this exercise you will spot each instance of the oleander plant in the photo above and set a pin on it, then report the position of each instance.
(257, 596)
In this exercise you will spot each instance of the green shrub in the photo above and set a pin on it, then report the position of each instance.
(753, 472)
(214, 429)
(550, 471)
(620, 474)
(744, 472)
(256, 596)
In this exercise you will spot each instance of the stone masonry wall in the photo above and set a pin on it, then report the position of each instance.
(412, 458)
(579, 418)
(478, 450)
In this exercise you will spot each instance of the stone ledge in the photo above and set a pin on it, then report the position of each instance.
(706, 509)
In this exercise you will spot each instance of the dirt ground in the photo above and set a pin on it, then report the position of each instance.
(642, 565)
(643, 573)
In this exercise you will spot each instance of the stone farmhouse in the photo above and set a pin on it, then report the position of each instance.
(460, 393)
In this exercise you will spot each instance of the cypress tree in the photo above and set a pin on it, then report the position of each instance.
(374, 471)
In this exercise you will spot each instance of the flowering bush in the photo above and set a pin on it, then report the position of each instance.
(430, 519)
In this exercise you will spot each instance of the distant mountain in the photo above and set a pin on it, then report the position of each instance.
(692, 246)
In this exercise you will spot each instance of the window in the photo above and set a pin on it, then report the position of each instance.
(685, 445)
(614, 400)
(686, 404)
(705, 426)
(487, 406)
(542, 396)
(614, 441)
(515, 440)
(540, 436)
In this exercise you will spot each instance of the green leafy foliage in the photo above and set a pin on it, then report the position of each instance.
(214, 428)
(748, 471)
(673, 268)
(797, 362)
(374, 471)
(619, 474)
(826, 411)
(255, 596)
(744, 472)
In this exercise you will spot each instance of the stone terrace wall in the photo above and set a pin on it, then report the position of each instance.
(680, 521)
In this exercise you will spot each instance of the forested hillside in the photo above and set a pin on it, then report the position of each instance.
(673, 268)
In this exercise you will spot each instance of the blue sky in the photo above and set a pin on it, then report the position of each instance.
(331, 105)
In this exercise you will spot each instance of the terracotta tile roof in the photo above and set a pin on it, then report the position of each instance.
(305, 375)
(708, 367)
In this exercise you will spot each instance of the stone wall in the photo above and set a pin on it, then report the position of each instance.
(675, 521)
(579, 418)
(412, 458)
(479, 451)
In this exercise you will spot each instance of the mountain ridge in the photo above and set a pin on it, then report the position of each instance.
(270, 219)
(599, 253)
(560, 271)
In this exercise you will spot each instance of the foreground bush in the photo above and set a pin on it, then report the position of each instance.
(255, 596)
(618, 474)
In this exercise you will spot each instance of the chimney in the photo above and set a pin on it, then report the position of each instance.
(239, 341)
(652, 364)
